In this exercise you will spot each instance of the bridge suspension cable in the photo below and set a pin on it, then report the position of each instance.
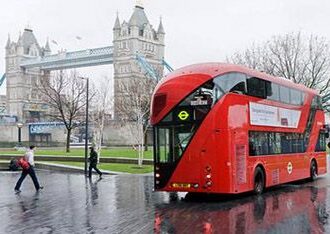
(149, 69)
(2, 79)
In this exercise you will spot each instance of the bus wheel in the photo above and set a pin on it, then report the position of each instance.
(313, 171)
(259, 181)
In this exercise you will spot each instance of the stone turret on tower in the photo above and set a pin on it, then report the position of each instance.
(161, 31)
(23, 97)
(8, 43)
(116, 28)
(132, 37)
(46, 50)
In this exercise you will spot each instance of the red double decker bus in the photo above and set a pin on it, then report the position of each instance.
(221, 128)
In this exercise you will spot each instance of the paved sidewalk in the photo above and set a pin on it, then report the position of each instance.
(70, 203)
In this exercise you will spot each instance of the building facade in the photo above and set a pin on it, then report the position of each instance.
(23, 98)
(132, 38)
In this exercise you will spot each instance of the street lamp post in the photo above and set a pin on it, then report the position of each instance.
(86, 124)
(19, 126)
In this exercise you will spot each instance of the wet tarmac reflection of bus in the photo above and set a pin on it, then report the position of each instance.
(287, 211)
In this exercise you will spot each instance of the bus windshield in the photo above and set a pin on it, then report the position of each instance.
(172, 141)
(173, 133)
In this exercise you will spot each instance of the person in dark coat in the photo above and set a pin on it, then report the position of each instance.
(93, 162)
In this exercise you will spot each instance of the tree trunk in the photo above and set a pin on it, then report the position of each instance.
(141, 148)
(140, 160)
(145, 132)
(68, 140)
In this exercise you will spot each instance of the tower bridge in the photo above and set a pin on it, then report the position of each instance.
(67, 60)
(27, 61)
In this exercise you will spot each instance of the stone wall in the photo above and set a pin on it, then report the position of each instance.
(119, 134)
(115, 134)
(9, 133)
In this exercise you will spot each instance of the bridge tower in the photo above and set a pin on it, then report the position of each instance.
(132, 37)
(23, 97)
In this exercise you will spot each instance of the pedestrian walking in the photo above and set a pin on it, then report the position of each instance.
(93, 162)
(29, 170)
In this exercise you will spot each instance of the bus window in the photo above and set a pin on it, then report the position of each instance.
(201, 97)
(284, 94)
(258, 143)
(163, 145)
(273, 91)
(302, 98)
(287, 141)
(274, 143)
(256, 87)
(321, 144)
(295, 97)
(231, 82)
(263, 143)
(319, 103)
(172, 141)
(297, 143)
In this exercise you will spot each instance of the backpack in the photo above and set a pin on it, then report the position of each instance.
(13, 165)
(23, 164)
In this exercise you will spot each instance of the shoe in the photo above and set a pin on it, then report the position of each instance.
(17, 191)
(100, 176)
(40, 188)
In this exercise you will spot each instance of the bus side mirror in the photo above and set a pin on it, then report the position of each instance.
(328, 145)
(326, 135)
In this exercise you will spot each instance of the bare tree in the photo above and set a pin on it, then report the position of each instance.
(133, 106)
(101, 109)
(65, 94)
(302, 59)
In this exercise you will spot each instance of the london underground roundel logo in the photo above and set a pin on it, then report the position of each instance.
(289, 167)
(183, 115)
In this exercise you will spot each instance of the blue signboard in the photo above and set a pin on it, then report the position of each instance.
(44, 127)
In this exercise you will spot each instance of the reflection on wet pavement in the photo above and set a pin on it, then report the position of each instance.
(127, 204)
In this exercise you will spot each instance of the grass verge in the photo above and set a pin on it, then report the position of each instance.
(112, 152)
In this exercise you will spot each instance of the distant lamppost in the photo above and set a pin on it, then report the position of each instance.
(86, 124)
(19, 126)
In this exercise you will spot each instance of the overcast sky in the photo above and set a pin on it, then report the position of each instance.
(196, 31)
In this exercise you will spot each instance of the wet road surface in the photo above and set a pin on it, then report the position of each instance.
(127, 204)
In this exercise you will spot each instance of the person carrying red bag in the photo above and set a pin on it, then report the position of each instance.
(27, 164)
